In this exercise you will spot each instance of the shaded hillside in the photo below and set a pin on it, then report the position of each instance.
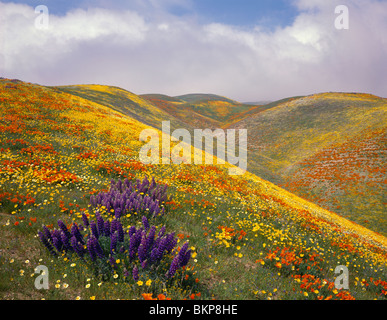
(203, 97)
(161, 97)
(125, 102)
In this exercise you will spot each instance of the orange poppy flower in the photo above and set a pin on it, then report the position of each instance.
(148, 296)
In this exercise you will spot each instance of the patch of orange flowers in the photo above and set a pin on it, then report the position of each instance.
(17, 198)
(53, 176)
(149, 296)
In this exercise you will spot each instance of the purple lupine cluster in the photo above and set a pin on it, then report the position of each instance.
(106, 240)
(63, 240)
(148, 247)
(180, 260)
(123, 197)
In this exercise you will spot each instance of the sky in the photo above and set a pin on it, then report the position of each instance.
(247, 50)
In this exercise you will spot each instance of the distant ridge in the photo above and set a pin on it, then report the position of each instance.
(161, 97)
(199, 97)
(258, 103)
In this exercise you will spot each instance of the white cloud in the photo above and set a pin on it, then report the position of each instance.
(168, 54)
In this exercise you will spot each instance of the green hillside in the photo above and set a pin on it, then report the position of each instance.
(202, 110)
(294, 140)
(163, 97)
(292, 137)
(125, 102)
(203, 97)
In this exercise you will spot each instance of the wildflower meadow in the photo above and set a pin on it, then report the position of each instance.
(75, 198)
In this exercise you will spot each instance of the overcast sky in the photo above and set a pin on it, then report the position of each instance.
(247, 50)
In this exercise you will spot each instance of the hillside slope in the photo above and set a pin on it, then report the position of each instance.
(180, 110)
(248, 238)
(202, 111)
(329, 148)
(124, 102)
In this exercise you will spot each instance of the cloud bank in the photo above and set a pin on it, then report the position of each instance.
(147, 50)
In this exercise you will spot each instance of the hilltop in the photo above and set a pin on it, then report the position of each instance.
(247, 238)
(203, 97)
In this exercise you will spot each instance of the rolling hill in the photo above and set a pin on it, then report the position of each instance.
(203, 97)
(329, 148)
(201, 110)
(124, 102)
(180, 109)
(245, 237)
